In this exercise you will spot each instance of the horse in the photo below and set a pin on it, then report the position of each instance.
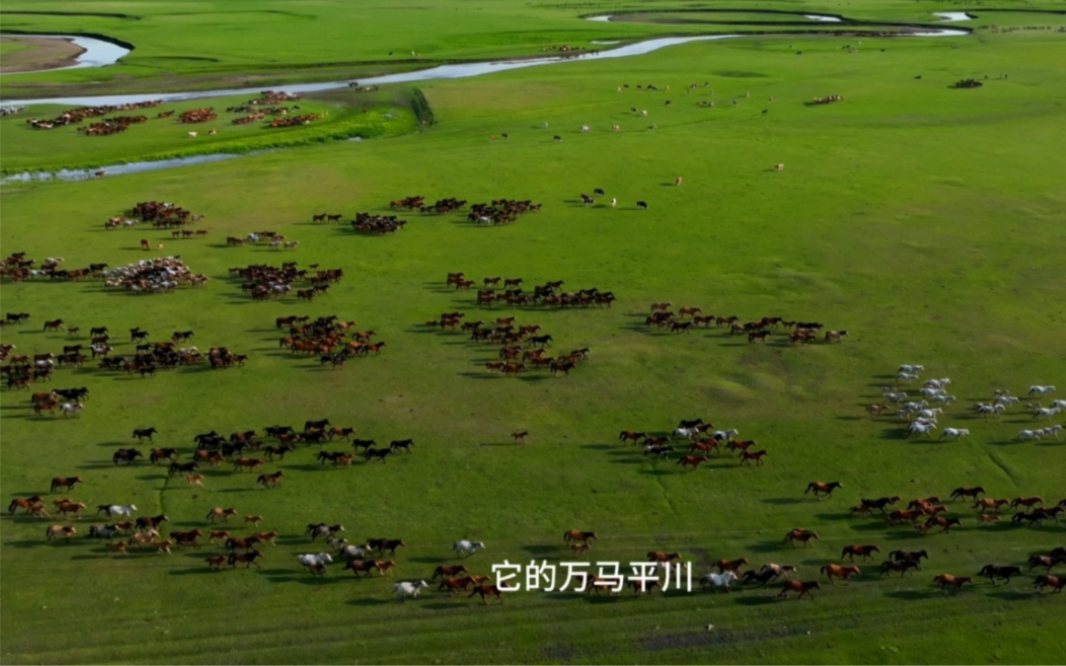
(445, 571)
(959, 493)
(905, 555)
(486, 591)
(694, 461)
(466, 548)
(991, 571)
(115, 510)
(60, 532)
(578, 535)
(865, 551)
(453, 585)
(28, 503)
(719, 580)
(189, 538)
(67, 482)
(839, 571)
(310, 559)
(404, 590)
(757, 456)
(378, 454)
(1056, 583)
(819, 487)
(802, 588)
(731, 565)
(660, 556)
(801, 535)
(248, 558)
(945, 581)
(220, 513)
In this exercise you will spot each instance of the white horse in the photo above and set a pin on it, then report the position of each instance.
(1046, 412)
(1026, 435)
(944, 399)
(467, 548)
(719, 580)
(116, 510)
(911, 368)
(72, 409)
(311, 560)
(906, 377)
(1040, 390)
(1052, 431)
(355, 552)
(932, 392)
(686, 432)
(253, 237)
(954, 433)
(1061, 404)
(404, 590)
(919, 428)
(936, 383)
(725, 434)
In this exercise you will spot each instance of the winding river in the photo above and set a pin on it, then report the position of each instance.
(98, 53)
(458, 71)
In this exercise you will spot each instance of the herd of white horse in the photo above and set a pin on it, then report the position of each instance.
(923, 417)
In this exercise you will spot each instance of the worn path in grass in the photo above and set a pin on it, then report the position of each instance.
(926, 221)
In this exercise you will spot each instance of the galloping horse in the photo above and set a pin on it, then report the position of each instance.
(820, 487)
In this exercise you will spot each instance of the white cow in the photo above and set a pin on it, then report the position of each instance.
(467, 548)
(954, 433)
(404, 590)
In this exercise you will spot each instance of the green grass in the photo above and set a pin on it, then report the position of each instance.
(8, 47)
(926, 221)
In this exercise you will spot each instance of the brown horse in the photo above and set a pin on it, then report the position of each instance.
(486, 591)
(801, 535)
(802, 588)
(453, 585)
(660, 556)
(1056, 583)
(694, 461)
(449, 571)
(270, 480)
(945, 581)
(65, 481)
(994, 504)
(757, 456)
(248, 558)
(836, 570)
(631, 436)
(902, 566)
(731, 565)
(820, 487)
(865, 551)
(1027, 502)
(28, 503)
(578, 535)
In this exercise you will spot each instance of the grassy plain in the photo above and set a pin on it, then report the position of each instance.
(926, 221)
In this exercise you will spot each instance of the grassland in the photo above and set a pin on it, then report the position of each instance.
(926, 221)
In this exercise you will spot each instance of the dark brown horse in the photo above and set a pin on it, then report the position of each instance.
(802, 588)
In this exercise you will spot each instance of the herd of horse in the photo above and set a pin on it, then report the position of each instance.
(688, 318)
(264, 281)
(327, 338)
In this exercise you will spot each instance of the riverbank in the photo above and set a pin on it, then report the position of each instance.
(38, 53)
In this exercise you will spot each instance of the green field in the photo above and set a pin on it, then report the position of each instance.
(926, 221)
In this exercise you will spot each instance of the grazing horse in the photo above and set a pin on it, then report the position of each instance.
(801, 535)
(845, 572)
(802, 588)
(866, 552)
(819, 487)
(945, 581)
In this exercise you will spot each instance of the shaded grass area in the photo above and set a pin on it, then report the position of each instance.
(928, 227)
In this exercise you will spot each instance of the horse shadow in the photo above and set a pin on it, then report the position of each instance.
(193, 572)
(235, 490)
(598, 447)
(781, 501)
(832, 516)
(541, 550)
(26, 543)
(1013, 595)
(369, 602)
(443, 605)
(756, 601)
(768, 546)
(498, 444)
(428, 560)
(910, 594)
(657, 472)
